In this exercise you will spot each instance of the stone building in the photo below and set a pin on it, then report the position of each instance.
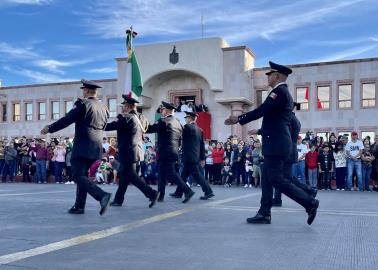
(337, 97)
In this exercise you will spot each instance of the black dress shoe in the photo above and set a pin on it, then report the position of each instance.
(160, 198)
(75, 210)
(259, 219)
(113, 203)
(104, 203)
(276, 203)
(188, 196)
(175, 195)
(312, 212)
(154, 199)
(206, 197)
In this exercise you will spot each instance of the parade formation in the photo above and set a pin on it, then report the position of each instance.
(278, 136)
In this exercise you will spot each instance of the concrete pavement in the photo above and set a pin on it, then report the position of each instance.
(36, 232)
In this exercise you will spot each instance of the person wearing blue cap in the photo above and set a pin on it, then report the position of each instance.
(90, 117)
(130, 127)
(276, 111)
(169, 131)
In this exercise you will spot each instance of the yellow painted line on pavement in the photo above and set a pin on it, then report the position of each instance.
(17, 256)
(9, 258)
(215, 203)
(33, 193)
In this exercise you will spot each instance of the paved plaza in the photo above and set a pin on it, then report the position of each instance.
(36, 232)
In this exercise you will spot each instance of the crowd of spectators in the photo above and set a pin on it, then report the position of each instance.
(349, 163)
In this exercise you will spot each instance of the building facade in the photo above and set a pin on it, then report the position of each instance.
(335, 97)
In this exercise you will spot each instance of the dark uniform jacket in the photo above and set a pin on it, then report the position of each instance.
(295, 127)
(129, 135)
(169, 131)
(90, 117)
(276, 112)
(193, 146)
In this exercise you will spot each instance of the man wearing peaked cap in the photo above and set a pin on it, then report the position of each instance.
(89, 84)
(169, 132)
(90, 117)
(193, 156)
(129, 100)
(276, 111)
(278, 68)
(168, 106)
(193, 115)
(130, 127)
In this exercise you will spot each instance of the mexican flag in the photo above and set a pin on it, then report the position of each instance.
(133, 79)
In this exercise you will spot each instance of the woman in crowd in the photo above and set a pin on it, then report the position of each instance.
(217, 155)
(367, 158)
(59, 162)
(340, 157)
(257, 160)
(228, 151)
(113, 150)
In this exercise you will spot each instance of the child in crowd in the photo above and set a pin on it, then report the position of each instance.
(226, 173)
(248, 169)
(151, 173)
(311, 163)
(102, 172)
(340, 158)
(326, 164)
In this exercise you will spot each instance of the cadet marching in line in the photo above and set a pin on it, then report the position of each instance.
(276, 111)
(90, 117)
(130, 127)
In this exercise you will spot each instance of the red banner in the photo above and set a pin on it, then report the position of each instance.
(204, 122)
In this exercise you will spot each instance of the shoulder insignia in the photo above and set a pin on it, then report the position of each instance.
(273, 95)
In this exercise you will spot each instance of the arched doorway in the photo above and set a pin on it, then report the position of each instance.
(174, 86)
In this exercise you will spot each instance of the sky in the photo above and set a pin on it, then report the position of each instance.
(45, 41)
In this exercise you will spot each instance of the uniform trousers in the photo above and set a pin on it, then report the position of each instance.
(288, 175)
(80, 167)
(273, 176)
(167, 170)
(128, 174)
(194, 170)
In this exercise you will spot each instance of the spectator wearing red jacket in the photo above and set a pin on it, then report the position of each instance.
(217, 155)
(312, 165)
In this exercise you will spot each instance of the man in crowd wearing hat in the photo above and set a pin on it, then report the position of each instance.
(193, 156)
(169, 131)
(90, 117)
(130, 127)
(276, 112)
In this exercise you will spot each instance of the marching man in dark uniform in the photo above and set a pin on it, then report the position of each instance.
(90, 117)
(295, 128)
(276, 112)
(193, 156)
(130, 127)
(169, 131)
